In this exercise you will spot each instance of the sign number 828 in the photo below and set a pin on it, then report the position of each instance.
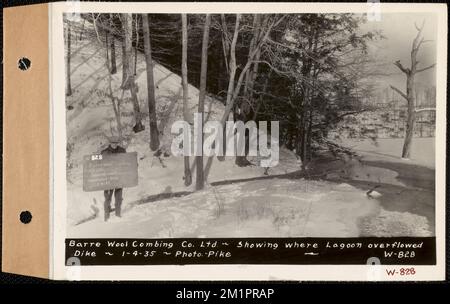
(96, 157)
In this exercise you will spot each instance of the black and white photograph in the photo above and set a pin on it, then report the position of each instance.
(251, 126)
(355, 101)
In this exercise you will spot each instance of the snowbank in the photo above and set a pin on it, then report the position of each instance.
(393, 223)
(264, 208)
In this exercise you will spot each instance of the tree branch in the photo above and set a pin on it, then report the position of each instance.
(339, 117)
(427, 68)
(279, 72)
(419, 28)
(401, 67)
(422, 41)
(399, 92)
(416, 42)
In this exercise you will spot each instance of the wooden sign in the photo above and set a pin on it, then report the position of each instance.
(109, 171)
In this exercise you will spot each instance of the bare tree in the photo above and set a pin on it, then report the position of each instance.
(184, 78)
(129, 80)
(234, 90)
(114, 100)
(234, 86)
(68, 84)
(410, 88)
(113, 48)
(201, 99)
(153, 124)
(249, 71)
(244, 110)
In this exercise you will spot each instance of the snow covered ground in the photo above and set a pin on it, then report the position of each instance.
(90, 121)
(390, 149)
(262, 206)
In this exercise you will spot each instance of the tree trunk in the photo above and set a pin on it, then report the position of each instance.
(116, 108)
(305, 128)
(232, 64)
(201, 99)
(154, 134)
(241, 160)
(68, 84)
(232, 74)
(128, 82)
(124, 64)
(411, 119)
(135, 61)
(244, 114)
(252, 73)
(113, 50)
(302, 140)
(184, 78)
(113, 56)
(309, 137)
(136, 43)
(82, 30)
(107, 50)
(411, 89)
(261, 95)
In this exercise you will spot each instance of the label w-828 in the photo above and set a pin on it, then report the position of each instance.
(404, 271)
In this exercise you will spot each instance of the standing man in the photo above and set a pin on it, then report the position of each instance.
(113, 147)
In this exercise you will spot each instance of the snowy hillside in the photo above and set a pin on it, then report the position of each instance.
(90, 121)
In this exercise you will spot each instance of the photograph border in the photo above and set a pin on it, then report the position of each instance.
(218, 271)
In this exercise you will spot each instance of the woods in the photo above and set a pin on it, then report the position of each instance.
(310, 72)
